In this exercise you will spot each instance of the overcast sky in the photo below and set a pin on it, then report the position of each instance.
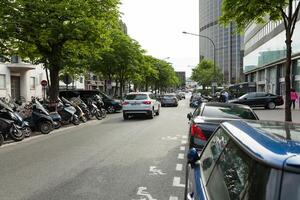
(158, 24)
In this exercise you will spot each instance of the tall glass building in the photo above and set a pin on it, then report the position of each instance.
(265, 53)
(229, 52)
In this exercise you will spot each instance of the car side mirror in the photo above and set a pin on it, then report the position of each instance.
(207, 162)
(189, 116)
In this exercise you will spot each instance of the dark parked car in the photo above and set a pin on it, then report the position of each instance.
(110, 104)
(207, 117)
(255, 160)
(260, 99)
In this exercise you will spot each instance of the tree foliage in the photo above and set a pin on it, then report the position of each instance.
(57, 33)
(245, 12)
(204, 73)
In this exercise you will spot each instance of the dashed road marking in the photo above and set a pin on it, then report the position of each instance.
(183, 142)
(176, 182)
(182, 148)
(154, 171)
(178, 167)
(173, 198)
(181, 156)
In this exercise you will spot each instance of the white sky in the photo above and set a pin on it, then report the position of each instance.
(158, 24)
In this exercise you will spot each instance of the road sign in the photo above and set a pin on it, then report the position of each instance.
(214, 84)
(44, 83)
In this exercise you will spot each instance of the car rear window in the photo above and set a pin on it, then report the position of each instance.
(136, 97)
(169, 96)
(228, 112)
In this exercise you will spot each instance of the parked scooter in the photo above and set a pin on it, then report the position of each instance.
(93, 108)
(7, 112)
(100, 104)
(39, 119)
(76, 102)
(10, 130)
(67, 112)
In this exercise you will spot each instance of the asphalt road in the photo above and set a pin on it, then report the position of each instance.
(110, 159)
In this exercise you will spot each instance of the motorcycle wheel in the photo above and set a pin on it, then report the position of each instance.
(83, 119)
(103, 111)
(57, 125)
(75, 120)
(45, 127)
(98, 115)
(1, 139)
(16, 134)
(27, 131)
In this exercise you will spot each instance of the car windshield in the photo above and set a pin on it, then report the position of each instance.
(243, 96)
(228, 112)
(136, 97)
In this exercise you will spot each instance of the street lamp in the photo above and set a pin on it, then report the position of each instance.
(214, 57)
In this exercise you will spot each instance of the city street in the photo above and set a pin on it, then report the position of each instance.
(110, 159)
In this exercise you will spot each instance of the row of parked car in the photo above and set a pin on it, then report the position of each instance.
(235, 155)
(19, 120)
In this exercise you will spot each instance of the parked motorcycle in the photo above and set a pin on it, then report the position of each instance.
(7, 112)
(100, 104)
(10, 130)
(76, 102)
(67, 112)
(39, 119)
(93, 108)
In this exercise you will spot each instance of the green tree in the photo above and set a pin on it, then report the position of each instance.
(244, 12)
(58, 33)
(204, 73)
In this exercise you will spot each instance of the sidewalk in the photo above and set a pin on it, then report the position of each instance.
(278, 114)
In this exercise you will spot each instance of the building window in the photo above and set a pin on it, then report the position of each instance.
(2, 81)
(32, 83)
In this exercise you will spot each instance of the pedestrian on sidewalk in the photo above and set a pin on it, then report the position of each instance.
(294, 97)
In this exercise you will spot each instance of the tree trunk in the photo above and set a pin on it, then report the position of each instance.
(288, 114)
(121, 88)
(54, 79)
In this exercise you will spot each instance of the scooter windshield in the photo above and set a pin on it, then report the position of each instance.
(4, 105)
(41, 107)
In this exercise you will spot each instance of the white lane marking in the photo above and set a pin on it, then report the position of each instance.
(178, 167)
(154, 171)
(173, 198)
(141, 192)
(180, 156)
(169, 138)
(182, 148)
(184, 137)
(176, 182)
(183, 142)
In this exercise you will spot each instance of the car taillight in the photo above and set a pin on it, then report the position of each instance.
(147, 102)
(125, 103)
(197, 132)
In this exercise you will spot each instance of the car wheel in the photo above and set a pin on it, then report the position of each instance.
(271, 105)
(151, 116)
(125, 116)
(110, 109)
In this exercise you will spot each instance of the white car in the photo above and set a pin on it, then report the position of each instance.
(140, 103)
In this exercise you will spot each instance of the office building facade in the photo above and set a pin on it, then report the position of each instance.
(265, 53)
(228, 44)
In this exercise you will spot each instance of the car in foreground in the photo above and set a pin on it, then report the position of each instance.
(207, 117)
(260, 99)
(140, 103)
(247, 160)
(169, 100)
(110, 104)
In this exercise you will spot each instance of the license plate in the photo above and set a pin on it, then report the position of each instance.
(134, 104)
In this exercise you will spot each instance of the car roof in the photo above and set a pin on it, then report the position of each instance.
(271, 142)
(225, 105)
(134, 93)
